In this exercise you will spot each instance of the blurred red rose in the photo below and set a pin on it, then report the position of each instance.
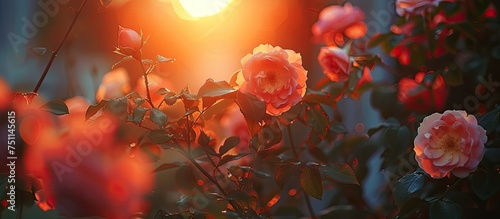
(414, 7)
(340, 19)
(415, 94)
(129, 41)
(449, 142)
(114, 84)
(275, 76)
(335, 63)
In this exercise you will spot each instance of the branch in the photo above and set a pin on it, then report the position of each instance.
(54, 52)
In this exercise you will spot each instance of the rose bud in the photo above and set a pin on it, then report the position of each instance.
(129, 41)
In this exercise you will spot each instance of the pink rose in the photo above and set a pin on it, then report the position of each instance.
(340, 19)
(415, 7)
(114, 84)
(129, 41)
(275, 76)
(449, 142)
(335, 63)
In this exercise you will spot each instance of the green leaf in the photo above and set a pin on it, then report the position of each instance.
(215, 89)
(445, 209)
(485, 183)
(238, 195)
(118, 107)
(316, 118)
(124, 59)
(490, 121)
(229, 143)
(161, 59)
(339, 172)
(138, 114)
(261, 174)
(158, 117)
(282, 174)
(57, 107)
(407, 187)
(230, 157)
(203, 139)
(410, 206)
(168, 166)
(311, 182)
(160, 136)
(252, 108)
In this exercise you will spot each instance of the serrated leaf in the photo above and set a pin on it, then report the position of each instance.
(316, 118)
(407, 187)
(93, 109)
(158, 117)
(445, 209)
(161, 59)
(160, 136)
(230, 157)
(311, 182)
(229, 143)
(163, 91)
(340, 172)
(168, 166)
(57, 107)
(215, 89)
(252, 108)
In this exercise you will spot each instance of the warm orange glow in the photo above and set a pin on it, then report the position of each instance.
(195, 9)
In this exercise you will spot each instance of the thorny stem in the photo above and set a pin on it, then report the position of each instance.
(146, 82)
(54, 52)
(306, 196)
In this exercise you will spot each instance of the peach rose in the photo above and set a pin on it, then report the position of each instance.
(449, 142)
(335, 63)
(416, 95)
(340, 19)
(415, 7)
(114, 84)
(275, 76)
(129, 41)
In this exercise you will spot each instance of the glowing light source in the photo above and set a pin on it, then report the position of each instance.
(195, 9)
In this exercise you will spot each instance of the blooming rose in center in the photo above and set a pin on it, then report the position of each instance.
(449, 142)
(275, 76)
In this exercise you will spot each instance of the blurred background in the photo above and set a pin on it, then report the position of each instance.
(206, 47)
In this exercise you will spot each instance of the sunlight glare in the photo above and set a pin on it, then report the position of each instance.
(196, 9)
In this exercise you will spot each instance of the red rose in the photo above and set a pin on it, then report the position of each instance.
(335, 63)
(416, 96)
(129, 41)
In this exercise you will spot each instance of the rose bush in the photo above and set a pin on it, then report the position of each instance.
(264, 143)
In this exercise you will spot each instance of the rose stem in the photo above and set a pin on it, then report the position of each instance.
(54, 52)
(146, 82)
(306, 196)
